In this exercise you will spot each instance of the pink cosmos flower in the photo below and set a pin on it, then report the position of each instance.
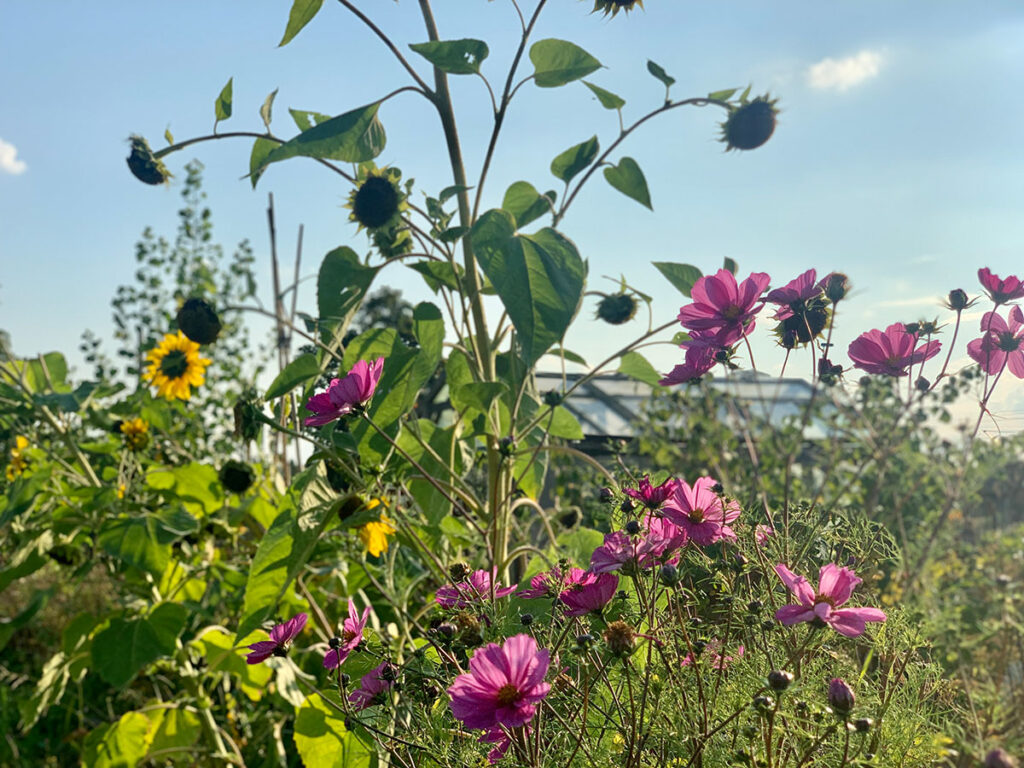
(797, 291)
(345, 395)
(697, 361)
(835, 585)
(1001, 345)
(890, 352)
(651, 496)
(701, 513)
(501, 740)
(351, 635)
(762, 533)
(658, 539)
(503, 685)
(544, 584)
(998, 289)
(592, 593)
(280, 641)
(718, 302)
(663, 538)
(372, 686)
(618, 550)
(713, 653)
(475, 589)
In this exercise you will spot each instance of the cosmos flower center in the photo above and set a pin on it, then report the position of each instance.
(696, 516)
(348, 635)
(1008, 342)
(732, 312)
(174, 364)
(508, 695)
(824, 599)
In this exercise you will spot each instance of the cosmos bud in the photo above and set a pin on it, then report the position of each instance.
(840, 695)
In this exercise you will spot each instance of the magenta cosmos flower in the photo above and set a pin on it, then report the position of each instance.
(345, 395)
(714, 654)
(701, 513)
(658, 538)
(501, 740)
(651, 496)
(280, 641)
(503, 685)
(351, 636)
(998, 289)
(718, 302)
(592, 593)
(835, 585)
(552, 583)
(797, 291)
(1001, 345)
(890, 352)
(475, 589)
(373, 686)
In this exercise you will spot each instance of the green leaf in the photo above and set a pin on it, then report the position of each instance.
(724, 95)
(168, 136)
(222, 107)
(341, 285)
(133, 541)
(608, 99)
(438, 273)
(301, 14)
(267, 109)
(539, 278)
(456, 57)
(557, 62)
(306, 120)
(564, 425)
(575, 159)
(118, 745)
(730, 264)
(682, 276)
(121, 650)
(8, 626)
(444, 443)
(261, 149)
(449, 192)
(353, 137)
(660, 73)
(478, 394)
(302, 369)
(195, 485)
(526, 204)
(572, 357)
(629, 180)
(221, 655)
(174, 731)
(322, 739)
(636, 366)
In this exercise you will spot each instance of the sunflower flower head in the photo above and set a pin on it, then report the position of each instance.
(18, 462)
(374, 535)
(612, 7)
(135, 433)
(175, 367)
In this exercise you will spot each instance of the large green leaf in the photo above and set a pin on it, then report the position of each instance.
(456, 57)
(134, 541)
(682, 276)
(174, 731)
(221, 655)
(322, 739)
(301, 14)
(575, 159)
(340, 287)
(636, 366)
(121, 650)
(438, 273)
(195, 485)
(539, 278)
(118, 745)
(526, 204)
(261, 149)
(557, 62)
(302, 369)
(353, 137)
(629, 180)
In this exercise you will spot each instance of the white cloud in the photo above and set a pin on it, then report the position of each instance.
(841, 74)
(9, 162)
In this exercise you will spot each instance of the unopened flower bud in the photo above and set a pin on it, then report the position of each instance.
(863, 724)
(198, 320)
(840, 695)
(837, 285)
(247, 418)
(669, 575)
(526, 619)
(779, 679)
(606, 495)
(633, 527)
(627, 505)
(922, 384)
(458, 571)
(750, 125)
(958, 300)
(764, 703)
(553, 397)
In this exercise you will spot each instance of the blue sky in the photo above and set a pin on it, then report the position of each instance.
(897, 158)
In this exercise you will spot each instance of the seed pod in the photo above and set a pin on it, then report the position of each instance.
(620, 638)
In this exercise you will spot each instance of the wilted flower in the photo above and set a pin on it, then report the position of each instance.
(614, 6)
(198, 321)
(1002, 344)
(617, 308)
(835, 586)
(373, 686)
(701, 513)
(136, 434)
(749, 125)
(475, 589)
(590, 594)
(280, 641)
(503, 685)
(890, 352)
(998, 289)
(144, 165)
(345, 395)
(351, 635)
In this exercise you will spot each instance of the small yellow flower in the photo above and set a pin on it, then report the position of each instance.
(18, 462)
(175, 367)
(136, 434)
(375, 535)
(120, 491)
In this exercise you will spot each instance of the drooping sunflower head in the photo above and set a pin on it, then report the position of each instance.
(751, 124)
(136, 434)
(144, 165)
(378, 200)
(618, 308)
(18, 462)
(175, 367)
(614, 6)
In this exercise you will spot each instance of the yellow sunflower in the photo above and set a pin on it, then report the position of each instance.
(175, 367)
(375, 535)
(136, 434)
(18, 462)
